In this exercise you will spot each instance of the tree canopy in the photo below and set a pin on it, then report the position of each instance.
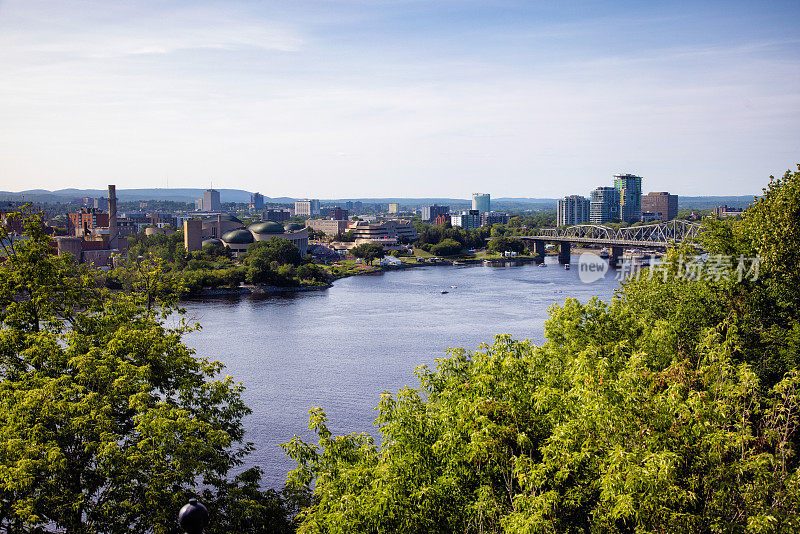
(109, 422)
(369, 252)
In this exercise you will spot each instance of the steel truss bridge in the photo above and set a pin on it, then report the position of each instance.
(659, 235)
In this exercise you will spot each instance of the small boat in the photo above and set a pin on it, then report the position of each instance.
(566, 266)
(445, 292)
(542, 265)
(453, 287)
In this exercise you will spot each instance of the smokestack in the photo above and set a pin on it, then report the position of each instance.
(112, 217)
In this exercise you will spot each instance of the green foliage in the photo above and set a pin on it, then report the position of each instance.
(369, 252)
(277, 250)
(674, 408)
(109, 422)
(503, 244)
(447, 247)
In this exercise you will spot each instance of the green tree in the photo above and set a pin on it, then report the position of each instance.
(109, 422)
(276, 249)
(447, 247)
(369, 252)
(499, 245)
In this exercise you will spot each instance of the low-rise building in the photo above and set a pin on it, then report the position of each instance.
(86, 220)
(725, 211)
(328, 226)
(393, 228)
(276, 215)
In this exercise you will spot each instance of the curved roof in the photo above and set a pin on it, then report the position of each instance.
(213, 241)
(292, 227)
(266, 227)
(223, 217)
(239, 237)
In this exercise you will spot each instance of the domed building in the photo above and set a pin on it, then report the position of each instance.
(216, 225)
(239, 239)
(213, 241)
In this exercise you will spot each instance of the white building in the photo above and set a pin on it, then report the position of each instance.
(481, 202)
(573, 209)
(307, 208)
(468, 220)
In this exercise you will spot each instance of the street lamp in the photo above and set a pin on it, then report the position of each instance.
(193, 517)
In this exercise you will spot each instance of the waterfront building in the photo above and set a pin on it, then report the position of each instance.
(604, 205)
(663, 205)
(239, 239)
(328, 226)
(392, 229)
(630, 196)
(489, 218)
(430, 213)
(468, 219)
(573, 209)
(211, 201)
(307, 207)
(481, 202)
(256, 201)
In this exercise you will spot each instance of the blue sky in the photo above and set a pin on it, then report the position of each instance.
(399, 98)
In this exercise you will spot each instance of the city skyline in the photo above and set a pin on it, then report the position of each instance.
(402, 98)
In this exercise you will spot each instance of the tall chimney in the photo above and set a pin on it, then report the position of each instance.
(112, 217)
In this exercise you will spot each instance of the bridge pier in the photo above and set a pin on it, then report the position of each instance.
(538, 250)
(564, 252)
(615, 256)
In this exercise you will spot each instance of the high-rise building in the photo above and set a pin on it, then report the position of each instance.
(481, 202)
(429, 213)
(573, 209)
(630, 196)
(306, 208)
(489, 218)
(394, 207)
(661, 204)
(604, 206)
(468, 220)
(211, 200)
(337, 214)
(256, 201)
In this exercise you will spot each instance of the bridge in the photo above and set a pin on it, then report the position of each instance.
(651, 236)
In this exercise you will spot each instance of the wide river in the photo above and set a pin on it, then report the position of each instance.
(342, 347)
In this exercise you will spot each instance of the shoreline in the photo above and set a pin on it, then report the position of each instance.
(375, 269)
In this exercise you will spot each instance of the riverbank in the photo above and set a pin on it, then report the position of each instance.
(349, 269)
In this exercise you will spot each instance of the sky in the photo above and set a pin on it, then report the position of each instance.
(399, 98)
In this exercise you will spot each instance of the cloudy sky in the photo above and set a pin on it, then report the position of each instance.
(414, 98)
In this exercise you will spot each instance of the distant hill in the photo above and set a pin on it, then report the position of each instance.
(704, 203)
(239, 195)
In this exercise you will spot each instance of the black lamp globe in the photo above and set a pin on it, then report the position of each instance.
(193, 517)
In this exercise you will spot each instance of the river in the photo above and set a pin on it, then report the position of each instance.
(341, 347)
